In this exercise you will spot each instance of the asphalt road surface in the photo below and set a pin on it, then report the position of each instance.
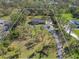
(55, 34)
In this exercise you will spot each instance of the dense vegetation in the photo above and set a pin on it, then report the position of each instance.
(26, 41)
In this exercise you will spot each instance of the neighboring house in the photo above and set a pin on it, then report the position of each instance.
(75, 23)
(4, 27)
(47, 24)
(36, 21)
(1, 24)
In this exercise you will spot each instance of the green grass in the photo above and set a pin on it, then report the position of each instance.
(66, 16)
(76, 32)
(1, 57)
(6, 17)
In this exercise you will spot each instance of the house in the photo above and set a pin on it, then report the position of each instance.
(36, 21)
(4, 28)
(4, 25)
(1, 21)
(75, 23)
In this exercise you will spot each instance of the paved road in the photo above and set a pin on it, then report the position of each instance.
(55, 34)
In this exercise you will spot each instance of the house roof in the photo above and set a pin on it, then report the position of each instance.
(37, 21)
(4, 25)
(75, 22)
(1, 21)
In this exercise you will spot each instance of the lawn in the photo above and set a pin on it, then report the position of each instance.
(76, 32)
(66, 16)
